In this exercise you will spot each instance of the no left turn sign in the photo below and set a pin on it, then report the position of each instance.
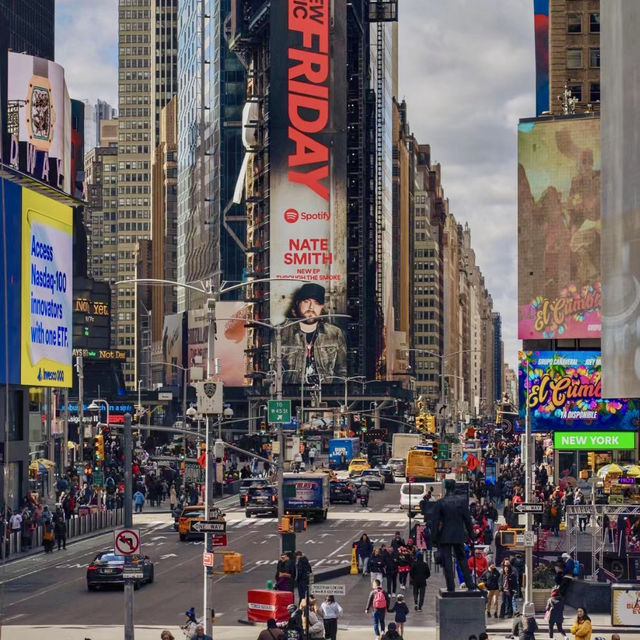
(126, 541)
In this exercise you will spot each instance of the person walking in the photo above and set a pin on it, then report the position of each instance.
(331, 611)
(419, 573)
(404, 565)
(173, 497)
(60, 529)
(555, 612)
(581, 628)
(508, 588)
(491, 579)
(303, 571)
(364, 549)
(401, 611)
(379, 602)
(391, 570)
(138, 501)
(524, 626)
(376, 566)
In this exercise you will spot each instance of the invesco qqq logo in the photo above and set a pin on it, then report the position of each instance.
(292, 215)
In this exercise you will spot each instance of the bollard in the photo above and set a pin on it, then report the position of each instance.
(269, 585)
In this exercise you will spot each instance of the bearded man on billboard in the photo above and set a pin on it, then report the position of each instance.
(313, 351)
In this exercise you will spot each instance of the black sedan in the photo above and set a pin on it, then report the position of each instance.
(108, 568)
(342, 491)
(386, 472)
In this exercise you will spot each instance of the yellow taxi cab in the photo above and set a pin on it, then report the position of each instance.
(357, 466)
(190, 514)
(332, 474)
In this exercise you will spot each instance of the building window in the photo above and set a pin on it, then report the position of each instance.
(594, 92)
(574, 23)
(594, 58)
(594, 23)
(576, 90)
(574, 58)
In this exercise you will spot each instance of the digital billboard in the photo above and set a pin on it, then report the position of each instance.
(562, 391)
(307, 238)
(40, 141)
(559, 291)
(10, 276)
(47, 291)
(541, 29)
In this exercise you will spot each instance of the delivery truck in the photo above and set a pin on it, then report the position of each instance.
(403, 442)
(306, 494)
(342, 451)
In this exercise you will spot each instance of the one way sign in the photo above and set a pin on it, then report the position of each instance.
(207, 526)
(528, 507)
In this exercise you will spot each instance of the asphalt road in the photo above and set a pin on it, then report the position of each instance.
(51, 589)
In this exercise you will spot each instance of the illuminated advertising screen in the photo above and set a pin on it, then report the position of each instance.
(308, 179)
(10, 276)
(562, 391)
(41, 145)
(47, 291)
(559, 292)
(541, 27)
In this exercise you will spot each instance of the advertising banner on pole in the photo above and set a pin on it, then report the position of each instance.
(308, 180)
(559, 291)
(562, 390)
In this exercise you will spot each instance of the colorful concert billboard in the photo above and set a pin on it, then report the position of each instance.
(308, 220)
(562, 391)
(559, 291)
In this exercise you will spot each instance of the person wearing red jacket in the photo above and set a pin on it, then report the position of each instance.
(478, 563)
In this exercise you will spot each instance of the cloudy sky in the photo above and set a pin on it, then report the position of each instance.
(467, 74)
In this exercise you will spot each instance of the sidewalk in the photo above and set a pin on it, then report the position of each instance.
(601, 626)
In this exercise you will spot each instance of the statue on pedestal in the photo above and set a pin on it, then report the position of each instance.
(452, 528)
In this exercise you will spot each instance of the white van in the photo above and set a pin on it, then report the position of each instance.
(413, 492)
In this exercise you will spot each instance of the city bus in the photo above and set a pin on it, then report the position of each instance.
(421, 466)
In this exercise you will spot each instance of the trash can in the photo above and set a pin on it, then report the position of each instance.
(263, 604)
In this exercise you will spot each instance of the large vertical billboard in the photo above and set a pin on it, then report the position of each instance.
(541, 29)
(620, 200)
(47, 291)
(307, 237)
(39, 120)
(559, 290)
(562, 391)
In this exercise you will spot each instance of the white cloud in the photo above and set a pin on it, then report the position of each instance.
(87, 47)
(467, 72)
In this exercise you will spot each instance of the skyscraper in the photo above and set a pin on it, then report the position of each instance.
(147, 81)
(28, 26)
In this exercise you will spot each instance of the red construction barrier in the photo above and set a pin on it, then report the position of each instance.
(263, 604)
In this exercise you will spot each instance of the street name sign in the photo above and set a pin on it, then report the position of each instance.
(207, 526)
(279, 411)
(328, 589)
(126, 541)
(528, 507)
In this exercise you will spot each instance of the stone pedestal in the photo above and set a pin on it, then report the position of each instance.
(459, 614)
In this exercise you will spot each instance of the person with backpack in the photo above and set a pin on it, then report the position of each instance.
(271, 632)
(554, 613)
(379, 602)
(525, 626)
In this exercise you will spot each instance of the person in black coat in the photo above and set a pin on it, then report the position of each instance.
(419, 573)
(391, 570)
(452, 528)
(303, 571)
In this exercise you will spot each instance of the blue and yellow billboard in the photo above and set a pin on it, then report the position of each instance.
(562, 391)
(46, 291)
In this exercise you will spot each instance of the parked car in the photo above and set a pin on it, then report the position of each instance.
(107, 569)
(260, 500)
(373, 478)
(357, 466)
(387, 473)
(398, 465)
(246, 484)
(342, 491)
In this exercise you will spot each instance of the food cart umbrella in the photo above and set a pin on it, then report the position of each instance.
(609, 469)
(632, 470)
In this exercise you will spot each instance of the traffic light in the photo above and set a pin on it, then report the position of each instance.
(435, 448)
(182, 453)
(98, 448)
(363, 425)
(421, 422)
(431, 424)
(591, 459)
(499, 417)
